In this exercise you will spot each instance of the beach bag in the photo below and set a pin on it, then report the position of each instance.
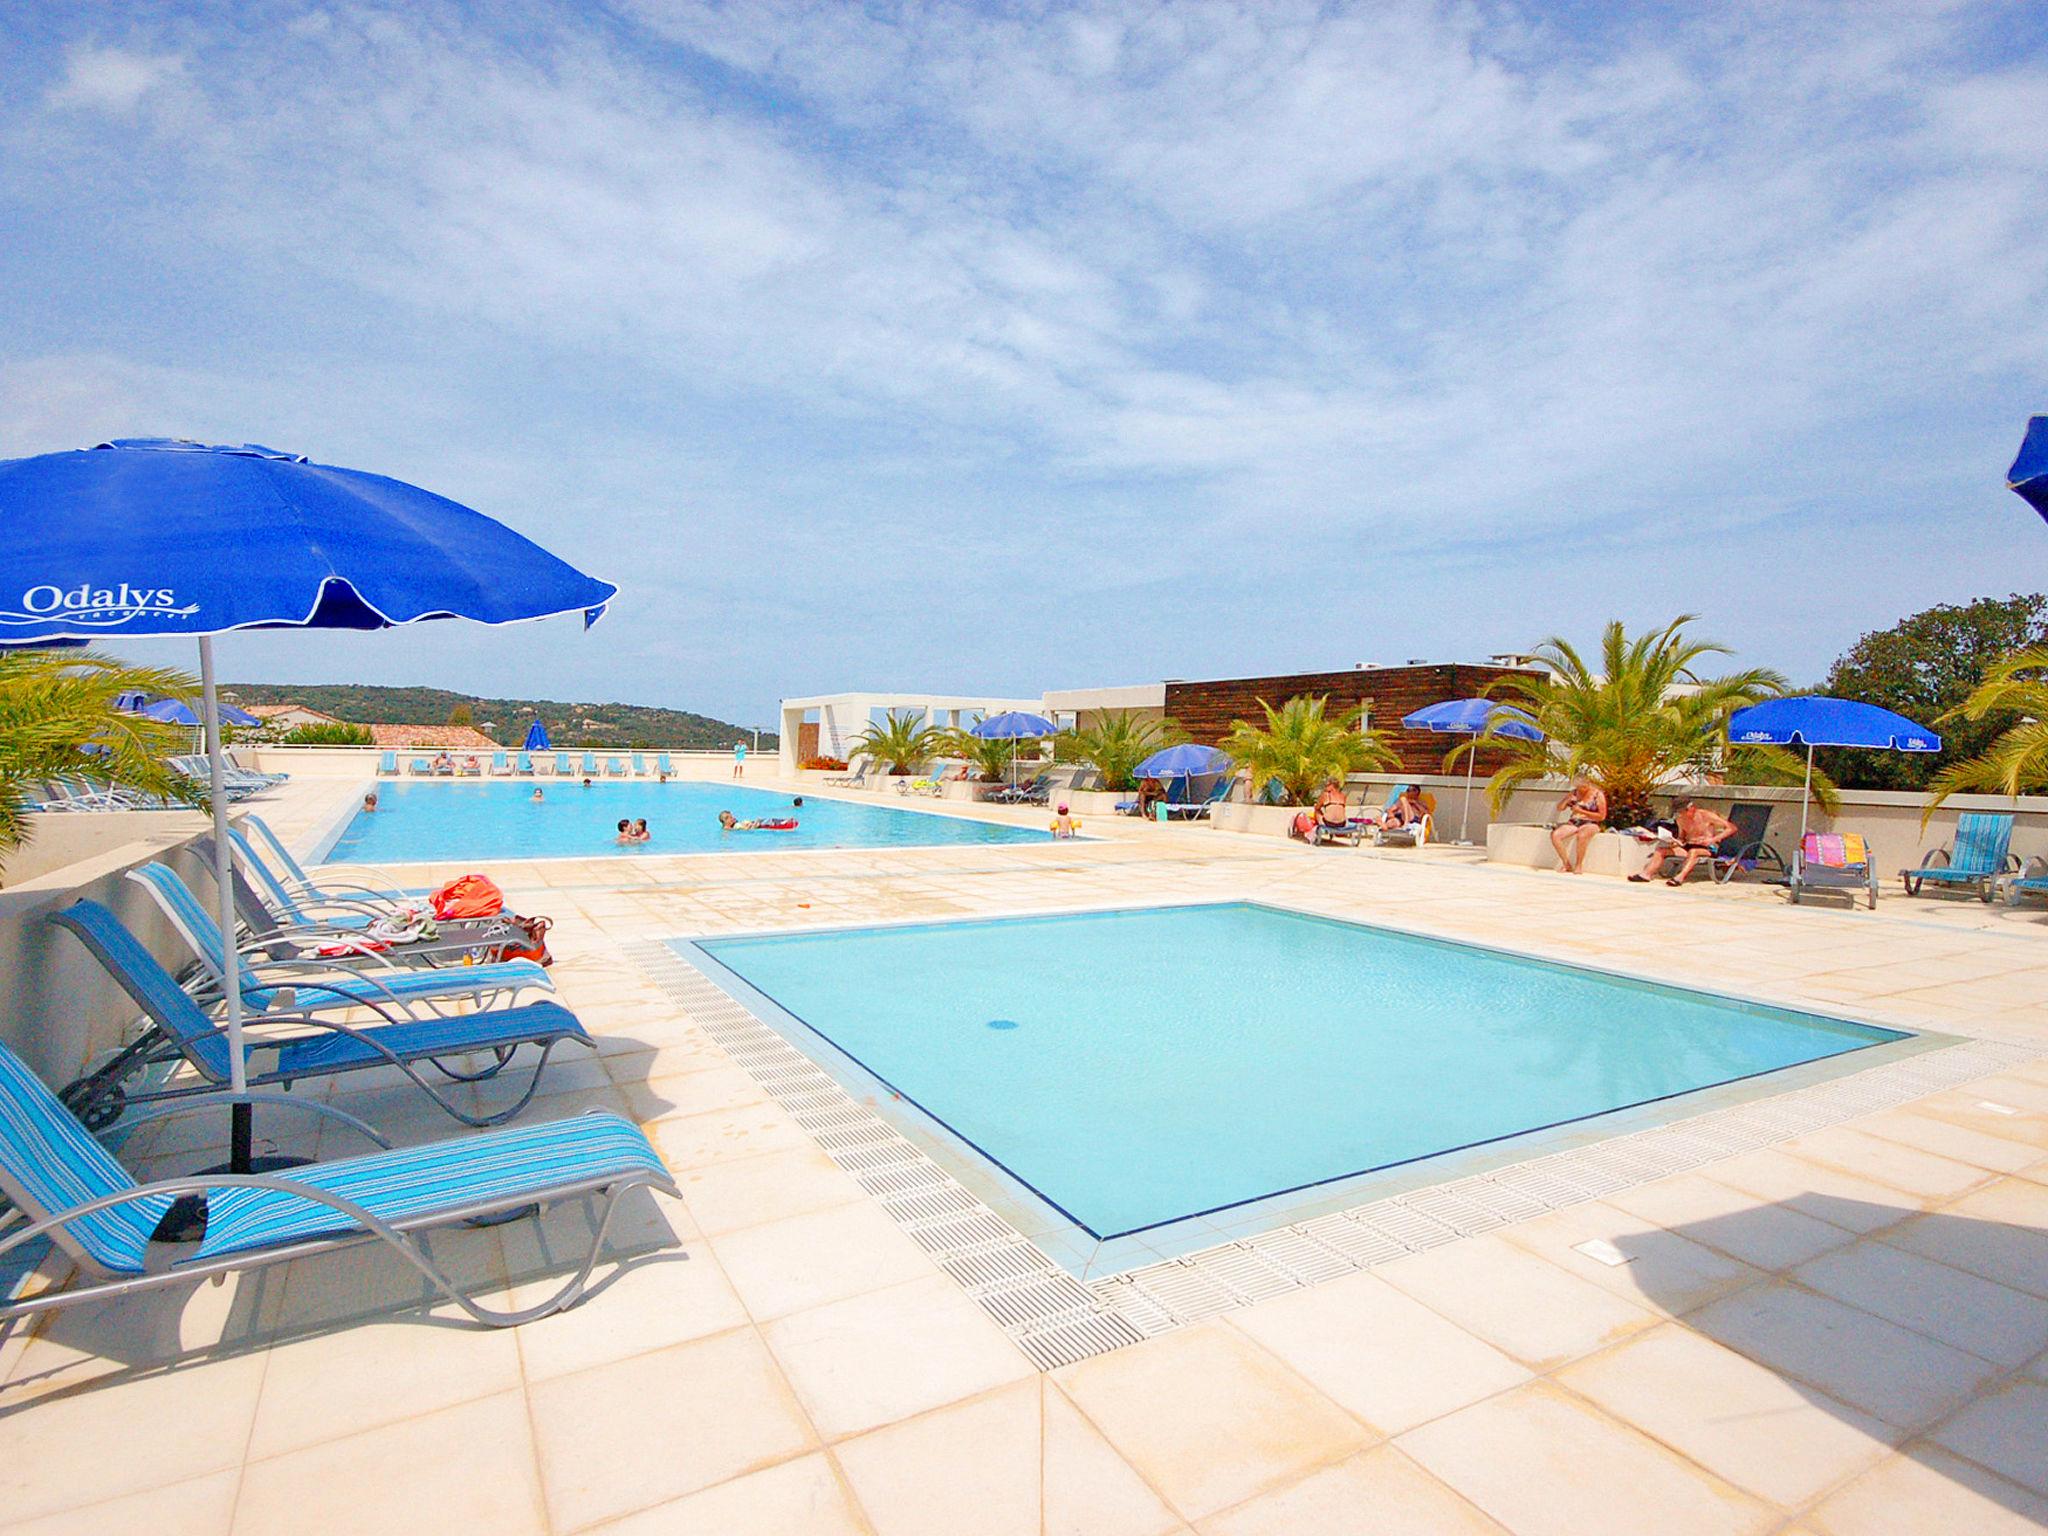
(529, 941)
(467, 896)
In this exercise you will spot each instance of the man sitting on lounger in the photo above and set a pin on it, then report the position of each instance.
(1410, 810)
(1332, 813)
(1699, 833)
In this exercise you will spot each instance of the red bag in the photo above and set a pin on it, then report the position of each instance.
(535, 945)
(468, 896)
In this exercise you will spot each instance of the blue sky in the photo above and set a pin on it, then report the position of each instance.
(1030, 347)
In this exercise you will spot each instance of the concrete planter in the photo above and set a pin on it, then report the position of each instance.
(1611, 854)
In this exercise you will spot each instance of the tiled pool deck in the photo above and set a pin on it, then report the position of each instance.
(1842, 1330)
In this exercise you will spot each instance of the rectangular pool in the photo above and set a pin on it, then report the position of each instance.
(1136, 1068)
(497, 818)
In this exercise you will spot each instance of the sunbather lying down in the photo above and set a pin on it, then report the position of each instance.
(732, 823)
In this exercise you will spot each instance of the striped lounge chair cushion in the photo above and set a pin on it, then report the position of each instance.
(414, 1040)
(50, 1164)
(502, 1168)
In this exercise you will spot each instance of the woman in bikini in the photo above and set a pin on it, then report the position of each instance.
(1585, 811)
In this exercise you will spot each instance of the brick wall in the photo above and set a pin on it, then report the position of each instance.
(1205, 710)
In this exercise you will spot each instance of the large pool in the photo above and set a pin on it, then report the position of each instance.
(486, 818)
(1137, 1068)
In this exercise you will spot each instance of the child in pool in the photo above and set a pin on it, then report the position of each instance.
(640, 832)
(1065, 824)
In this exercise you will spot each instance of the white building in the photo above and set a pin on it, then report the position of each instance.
(841, 717)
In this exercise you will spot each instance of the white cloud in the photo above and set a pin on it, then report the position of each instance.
(110, 79)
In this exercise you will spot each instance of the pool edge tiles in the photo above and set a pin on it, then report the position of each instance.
(1059, 1311)
(1264, 1111)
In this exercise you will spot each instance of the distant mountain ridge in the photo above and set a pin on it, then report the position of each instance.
(505, 720)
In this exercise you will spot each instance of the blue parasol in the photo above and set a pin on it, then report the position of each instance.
(536, 737)
(157, 536)
(1014, 725)
(2029, 473)
(1472, 717)
(1188, 760)
(1813, 720)
(178, 712)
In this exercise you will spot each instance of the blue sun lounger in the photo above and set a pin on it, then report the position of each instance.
(73, 1192)
(294, 874)
(319, 985)
(661, 765)
(1979, 857)
(387, 765)
(315, 1047)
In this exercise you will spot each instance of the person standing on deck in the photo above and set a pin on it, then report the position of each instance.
(739, 758)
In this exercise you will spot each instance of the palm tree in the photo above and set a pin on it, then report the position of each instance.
(900, 739)
(57, 720)
(1302, 747)
(992, 758)
(1119, 740)
(1639, 719)
(2016, 762)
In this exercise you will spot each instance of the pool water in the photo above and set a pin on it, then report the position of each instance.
(1136, 1068)
(496, 818)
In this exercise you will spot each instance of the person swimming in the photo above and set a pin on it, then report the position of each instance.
(586, 783)
(640, 832)
(538, 797)
(625, 832)
(1065, 824)
(799, 800)
(370, 801)
(731, 823)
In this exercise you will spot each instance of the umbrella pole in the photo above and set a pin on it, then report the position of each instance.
(1465, 811)
(1806, 794)
(243, 1130)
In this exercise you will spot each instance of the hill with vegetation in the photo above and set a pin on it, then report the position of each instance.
(570, 724)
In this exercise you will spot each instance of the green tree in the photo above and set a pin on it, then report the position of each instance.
(462, 714)
(992, 759)
(1303, 747)
(1638, 717)
(1116, 743)
(1930, 666)
(2015, 762)
(337, 733)
(57, 720)
(901, 739)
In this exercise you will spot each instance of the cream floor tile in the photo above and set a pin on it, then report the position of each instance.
(1999, 1232)
(201, 1506)
(1668, 1273)
(704, 1090)
(695, 1141)
(171, 1426)
(1814, 1189)
(1512, 1299)
(653, 1427)
(1381, 1486)
(355, 1378)
(1760, 1233)
(975, 1464)
(467, 1468)
(670, 1299)
(803, 1497)
(1900, 1377)
(887, 1355)
(1738, 1419)
(2007, 1432)
(1976, 1143)
(1088, 1489)
(1378, 1352)
(805, 1261)
(1208, 1417)
(1927, 1491)
(727, 1196)
(1942, 1302)
(1546, 1464)
(1889, 1162)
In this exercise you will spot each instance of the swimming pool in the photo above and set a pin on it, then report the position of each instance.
(1135, 1069)
(496, 818)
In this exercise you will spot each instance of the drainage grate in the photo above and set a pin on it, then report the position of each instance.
(1057, 1320)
